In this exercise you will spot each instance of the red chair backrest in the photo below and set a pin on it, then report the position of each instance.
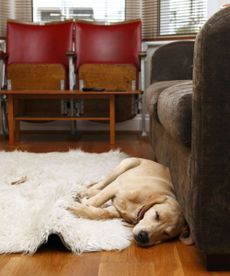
(118, 43)
(30, 43)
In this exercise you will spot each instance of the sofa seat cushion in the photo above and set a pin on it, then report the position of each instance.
(174, 111)
(153, 91)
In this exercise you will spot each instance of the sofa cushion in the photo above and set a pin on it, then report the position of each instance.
(153, 91)
(174, 110)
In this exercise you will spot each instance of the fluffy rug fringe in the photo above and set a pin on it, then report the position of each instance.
(36, 189)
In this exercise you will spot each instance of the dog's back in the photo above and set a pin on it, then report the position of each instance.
(144, 168)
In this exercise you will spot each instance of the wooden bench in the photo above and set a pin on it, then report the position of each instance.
(15, 95)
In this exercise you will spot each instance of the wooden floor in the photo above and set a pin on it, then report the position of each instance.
(171, 258)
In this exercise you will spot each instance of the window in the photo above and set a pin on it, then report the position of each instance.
(103, 10)
(159, 17)
(171, 17)
(14, 9)
(181, 16)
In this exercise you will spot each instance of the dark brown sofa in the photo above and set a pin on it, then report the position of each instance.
(190, 131)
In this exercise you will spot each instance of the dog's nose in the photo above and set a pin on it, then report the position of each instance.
(142, 237)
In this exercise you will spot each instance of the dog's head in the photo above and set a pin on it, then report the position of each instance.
(159, 219)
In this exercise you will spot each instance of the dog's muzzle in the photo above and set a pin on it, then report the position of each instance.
(142, 238)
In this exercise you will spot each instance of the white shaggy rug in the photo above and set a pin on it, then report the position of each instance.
(35, 209)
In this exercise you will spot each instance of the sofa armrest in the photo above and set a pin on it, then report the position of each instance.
(172, 61)
(210, 179)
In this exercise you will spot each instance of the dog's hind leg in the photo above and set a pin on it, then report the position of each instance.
(91, 212)
(95, 189)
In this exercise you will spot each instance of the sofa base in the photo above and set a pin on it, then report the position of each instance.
(218, 262)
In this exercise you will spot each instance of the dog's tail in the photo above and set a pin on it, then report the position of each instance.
(127, 164)
(124, 166)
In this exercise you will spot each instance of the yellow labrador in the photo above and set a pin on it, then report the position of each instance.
(142, 194)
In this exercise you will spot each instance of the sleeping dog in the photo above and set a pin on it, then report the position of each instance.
(142, 194)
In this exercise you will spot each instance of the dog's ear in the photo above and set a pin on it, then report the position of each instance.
(185, 236)
(155, 199)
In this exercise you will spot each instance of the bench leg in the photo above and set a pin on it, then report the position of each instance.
(17, 130)
(112, 119)
(11, 119)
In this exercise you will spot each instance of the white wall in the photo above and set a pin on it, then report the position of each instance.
(215, 5)
(223, 2)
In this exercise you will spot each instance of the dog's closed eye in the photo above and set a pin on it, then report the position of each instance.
(157, 216)
(166, 234)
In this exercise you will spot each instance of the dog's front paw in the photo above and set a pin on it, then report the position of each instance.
(84, 201)
(79, 210)
(90, 184)
(77, 198)
(88, 193)
(76, 206)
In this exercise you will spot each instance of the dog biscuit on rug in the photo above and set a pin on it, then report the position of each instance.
(21, 180)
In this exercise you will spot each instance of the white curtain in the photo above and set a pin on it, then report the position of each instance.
(14, 9)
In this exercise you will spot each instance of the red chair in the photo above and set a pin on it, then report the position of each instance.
(108, 57)
(36, 58)
(30, 43)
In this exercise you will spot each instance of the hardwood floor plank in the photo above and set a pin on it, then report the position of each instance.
(162, 259)
(127, 269)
